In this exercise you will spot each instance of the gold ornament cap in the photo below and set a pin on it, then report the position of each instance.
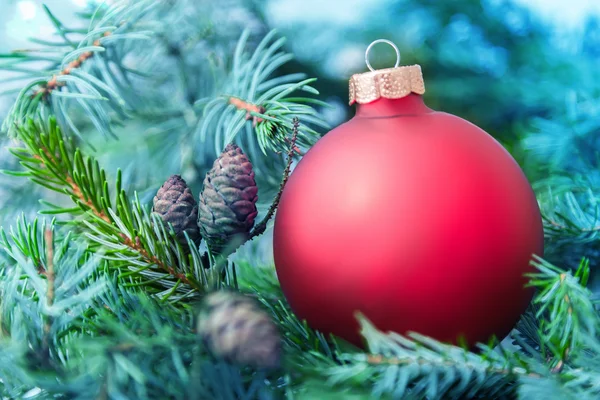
(389, 83)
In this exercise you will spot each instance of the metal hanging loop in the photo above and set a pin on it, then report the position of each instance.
(382, 41)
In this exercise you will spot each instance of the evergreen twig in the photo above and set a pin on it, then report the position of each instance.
(251, 92)
(563, 297)
(62, 81)
(249, 108)
(53, 83)
(137, 246)
(377, 359)
(50, 277)
(53, 161)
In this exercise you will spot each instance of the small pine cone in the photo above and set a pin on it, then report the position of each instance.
(227, 205)
(176, 205)
(234, 328)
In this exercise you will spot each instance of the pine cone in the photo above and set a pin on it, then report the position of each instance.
(227, 205)
(234, 328)
(176, 205)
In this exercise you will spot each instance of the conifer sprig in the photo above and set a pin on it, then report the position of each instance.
(565, 310)
(137, 243)
(250, 94)
(66, 79)
(44, 290)
(570, 208)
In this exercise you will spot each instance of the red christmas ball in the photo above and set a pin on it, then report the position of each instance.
(418, 219)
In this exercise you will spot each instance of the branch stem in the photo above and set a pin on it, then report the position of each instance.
(50, 278)
(54, 84)
(377, 359)
(249, 107)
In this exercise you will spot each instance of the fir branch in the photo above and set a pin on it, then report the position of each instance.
(132, 239)
(566, 311)
(37, 311)
(419, 367)
(83, 199)
(63, 79)
(379, 360)
(570, 209)
(249, 92)
(54, 84)
(249, 108)
(305, 347)
(52, 161)
(151, 259)
(129, 346)
(526, 334)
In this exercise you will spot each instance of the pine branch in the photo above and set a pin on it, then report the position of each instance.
(570, 208)
(139, 245)
(379, 360)
(527, 335)
(71, 77)
(121, 342)
(566, 311)
(250, 92)
(420, 367)
(305, 348)
(53, 84)
(249, 108)
(38, 311)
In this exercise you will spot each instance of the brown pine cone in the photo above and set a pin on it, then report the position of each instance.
(176, 205)
(234, 328)
(227, 206)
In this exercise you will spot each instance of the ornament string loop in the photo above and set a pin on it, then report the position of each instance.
(382, 41)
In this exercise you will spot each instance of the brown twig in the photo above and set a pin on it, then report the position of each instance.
(50, 276)
(79, 194)
(377, 359)
(48, 239)
(53, 83)
(260, 228)
(75, 189)
(249, 107)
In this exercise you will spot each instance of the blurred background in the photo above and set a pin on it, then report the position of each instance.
(526, 71)
(489, 52)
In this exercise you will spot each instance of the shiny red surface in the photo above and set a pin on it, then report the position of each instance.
(418, 219)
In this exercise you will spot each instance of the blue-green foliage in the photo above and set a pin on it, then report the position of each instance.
(104, 307)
